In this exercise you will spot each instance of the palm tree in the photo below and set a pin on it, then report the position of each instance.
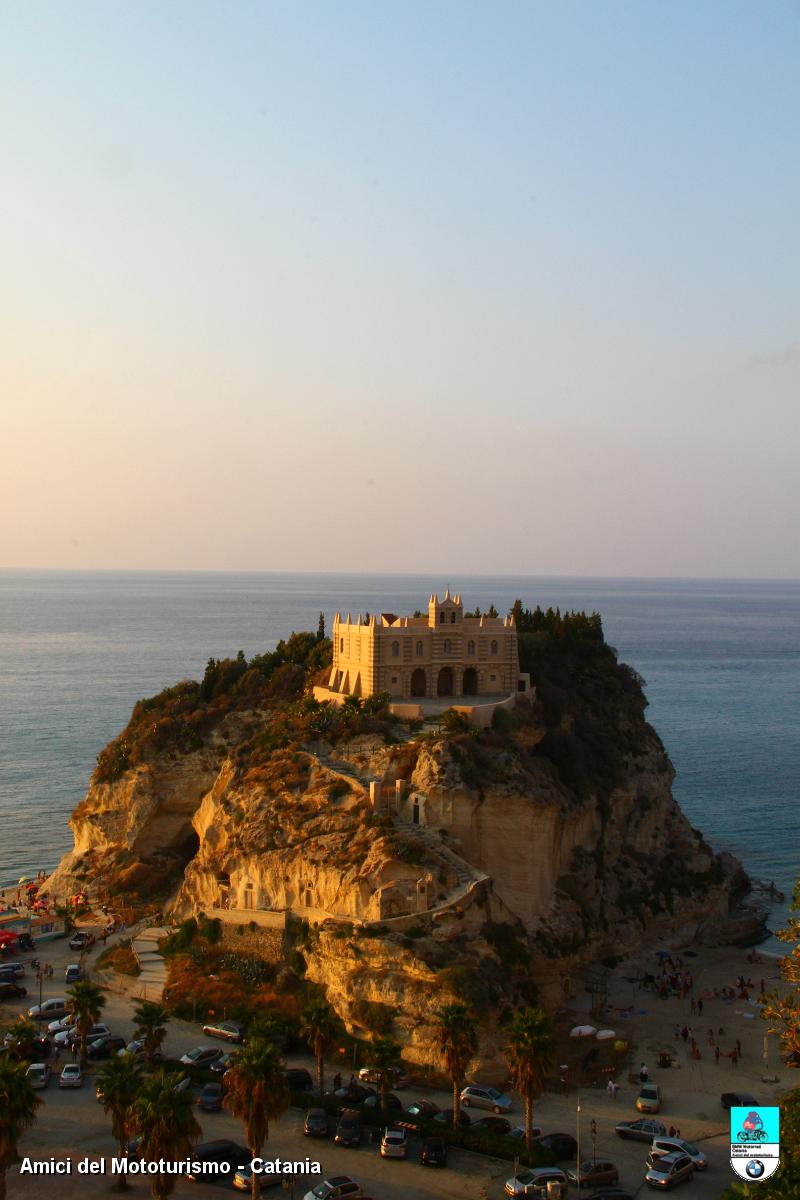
(164, 1120)
(384, 1055)
(119, 1082)
(456, 1041)
(529, 1054)
(319, 1026)
(87, 1001)
(18, 1105)
(22, 1034)
(150, 1023)
(256, 1093)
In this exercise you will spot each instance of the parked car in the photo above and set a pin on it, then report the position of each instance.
(433, 1152)
(48, 1009)
(397, 1076)
(500, 1125)
(105, 1047)
(71, 1076)
(446, 1118)
(210, 1098)
(201, 1056)
(561, 1145)
(243, 1179)
(315, 1123)
(519, 1131)
(486, 1097)
(40, 1049)
(15, 969)
(298, 1079)
(337, 1187)
(649, 1098)
(79, 940)
(136, 1047)
(68, 1036)
(535, 1181)
(669, 1170)
(229, 1031)
(643, 1130)
(182, 1081)
(353, 1093)
(348, 1131)
(594, 1172)
(374, 1103)
(220, 1066)
(676, 1145)
(73, 973)
(738, 1100)
(222, 1150)
(421, 1109)
(38, 1075)
(61, 1023)
(11, 990)
(394, 1143)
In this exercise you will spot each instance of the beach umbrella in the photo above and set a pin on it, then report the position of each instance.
(604, 1035)
(24, 879)
(581, 1031)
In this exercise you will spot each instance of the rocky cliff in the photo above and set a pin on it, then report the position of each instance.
(417, 863)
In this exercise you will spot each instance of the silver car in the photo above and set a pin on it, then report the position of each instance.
(534, 1181)
(486, 1097)
(669, 1170)
(676, 1145)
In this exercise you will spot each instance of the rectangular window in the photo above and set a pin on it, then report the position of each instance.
(492, 678)
(394, 679)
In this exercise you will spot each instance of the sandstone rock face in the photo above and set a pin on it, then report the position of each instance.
(511, 878)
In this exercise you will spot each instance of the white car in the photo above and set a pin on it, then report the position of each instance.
(676, 1145)
(68, 1036)
(486, 1097)
(534, 1181)
(38, 1075)
(394, 1143)
(71, 1076)
(61, 1023)
(337, 1187)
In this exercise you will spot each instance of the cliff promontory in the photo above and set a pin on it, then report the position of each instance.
(408, 863)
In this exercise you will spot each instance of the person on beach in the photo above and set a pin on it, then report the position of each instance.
(738, 1048)
(700, 1007)
(716, 1054)
(685, 1035)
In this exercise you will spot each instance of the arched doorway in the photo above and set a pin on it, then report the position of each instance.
(418, 682)
(444, 686)
(470, 682)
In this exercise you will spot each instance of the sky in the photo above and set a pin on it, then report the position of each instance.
(473, 287)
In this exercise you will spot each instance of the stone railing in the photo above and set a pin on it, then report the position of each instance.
(266, 918)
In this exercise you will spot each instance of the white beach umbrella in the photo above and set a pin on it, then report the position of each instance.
(582, 1031)
(605, 1035)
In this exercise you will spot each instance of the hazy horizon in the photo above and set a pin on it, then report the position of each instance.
(451, 290)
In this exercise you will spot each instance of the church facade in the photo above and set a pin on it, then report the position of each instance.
(442, 654)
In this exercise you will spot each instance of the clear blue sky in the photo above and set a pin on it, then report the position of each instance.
(455, 286)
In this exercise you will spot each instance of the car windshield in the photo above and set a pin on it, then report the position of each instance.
(195, 1053)
(493, 1094)
(689, 1148)
(524, 1177)
(322, 1191)
(661, 1166)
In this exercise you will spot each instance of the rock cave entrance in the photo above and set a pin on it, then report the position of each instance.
(186, 847)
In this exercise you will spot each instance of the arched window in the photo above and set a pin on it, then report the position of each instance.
(441, 618)
(419, 650)
(448, 646)
(395, 649)
(452, 618)
(494, 647)
(470, 649)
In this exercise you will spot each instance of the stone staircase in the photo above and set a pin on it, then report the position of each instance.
(465, 873)
(150, 982)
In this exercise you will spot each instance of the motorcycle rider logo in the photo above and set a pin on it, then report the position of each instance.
(755, 1142)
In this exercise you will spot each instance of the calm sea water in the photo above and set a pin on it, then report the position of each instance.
(78, 649)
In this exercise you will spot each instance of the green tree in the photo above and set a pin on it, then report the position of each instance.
(86, 1003)
(164, 1120)
(781, 1009)
(529, 1054)
(18, 1105)
(319, 1026)
(456, 1040)
(120, 1081)
(256, 1093)
(385, 1055)
(321, 628)
(21, 1035)
(150, 1023)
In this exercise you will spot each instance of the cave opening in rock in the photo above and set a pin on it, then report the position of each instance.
(186, 847)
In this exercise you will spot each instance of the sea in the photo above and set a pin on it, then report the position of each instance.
(721, 661)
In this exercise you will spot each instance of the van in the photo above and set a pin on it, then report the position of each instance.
(48, 1009)
(38, 1075)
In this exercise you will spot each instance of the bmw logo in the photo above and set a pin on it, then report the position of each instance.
(755, 1168)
